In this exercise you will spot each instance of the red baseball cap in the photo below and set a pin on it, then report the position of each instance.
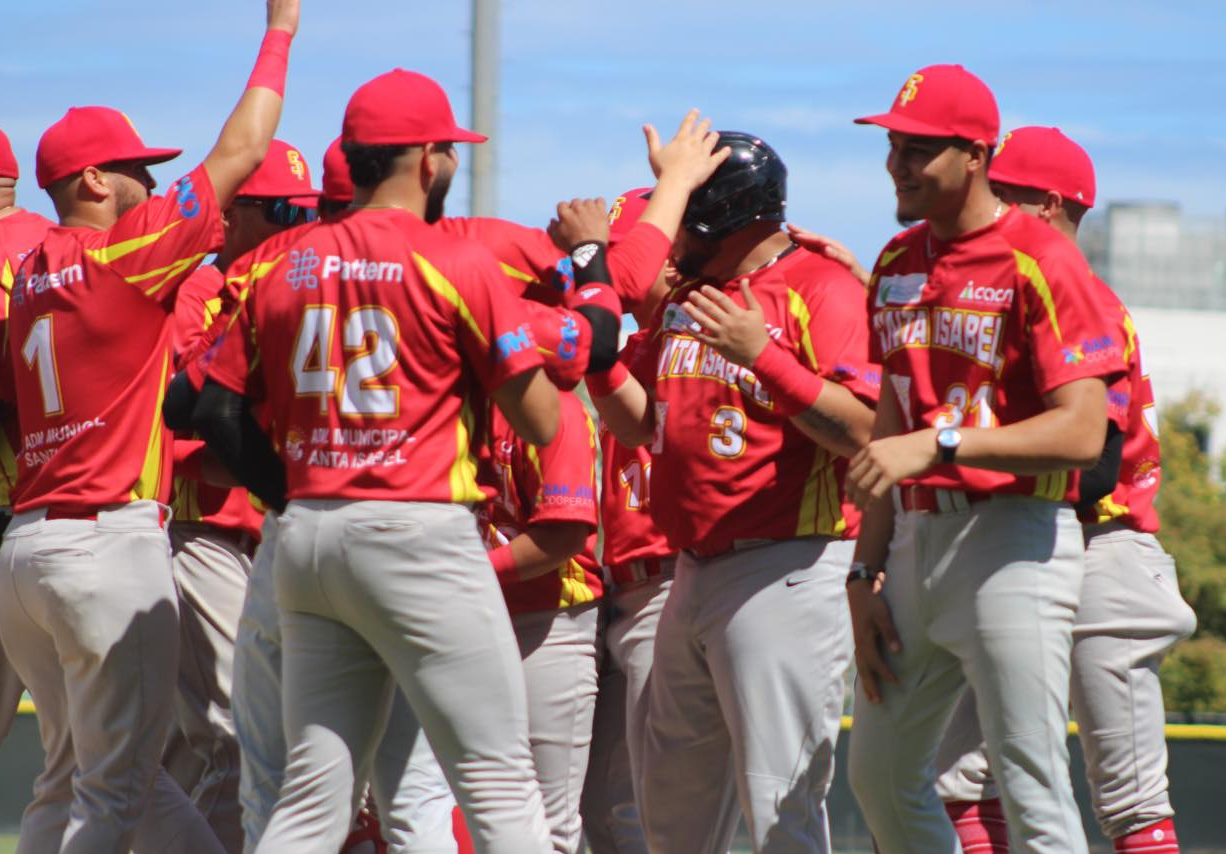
(91, 136)
(338, 186)
(282, 173)
(626, 210)
(1046, 159)
(402, 108)
(942, 100)
(8, 163)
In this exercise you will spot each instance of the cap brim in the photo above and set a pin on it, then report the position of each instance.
(156, 155)
(462, 135)
(902, 124)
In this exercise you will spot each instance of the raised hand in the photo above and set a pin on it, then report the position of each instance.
(831, 248)
(690, 156)
(738, 334)
(579, 221)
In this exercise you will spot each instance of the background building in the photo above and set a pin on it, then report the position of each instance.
(1171, 272)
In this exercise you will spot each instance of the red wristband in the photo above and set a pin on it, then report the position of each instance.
(504, 564)
(604, 384)
(272, 63)
(794, 387)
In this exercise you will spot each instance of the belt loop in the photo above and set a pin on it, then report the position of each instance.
(944, 500)
(960, 501)
(896, 497)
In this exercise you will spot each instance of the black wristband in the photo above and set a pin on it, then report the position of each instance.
(860, 571)
(589, 263)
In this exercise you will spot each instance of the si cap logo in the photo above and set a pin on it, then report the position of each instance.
(295, 164)
(910, 89)
(1004, 139)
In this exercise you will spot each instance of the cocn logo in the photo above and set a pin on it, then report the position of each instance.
(982, 293)
(185, 195)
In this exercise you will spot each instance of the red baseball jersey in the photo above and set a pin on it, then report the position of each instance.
(373, 338)
(537, 269)
(728, 465)
(976, 330)
(1132, 500)
(20, 233)
(197, 309)
(90, 350)
(556, 483)
(633, 545)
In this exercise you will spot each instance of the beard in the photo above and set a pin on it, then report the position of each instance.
(128, 197)
(436, 198)
(696, 256)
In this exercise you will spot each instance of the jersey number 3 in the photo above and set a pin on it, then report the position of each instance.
(370, 338)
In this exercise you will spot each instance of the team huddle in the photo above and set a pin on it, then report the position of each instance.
(315, 547)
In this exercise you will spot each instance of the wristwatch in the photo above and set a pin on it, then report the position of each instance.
(948, 440)
(860, 571)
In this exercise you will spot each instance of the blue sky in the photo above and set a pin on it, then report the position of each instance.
(1141, 85)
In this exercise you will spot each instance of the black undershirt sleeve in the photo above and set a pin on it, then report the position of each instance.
(224, 420)
(1100, 481)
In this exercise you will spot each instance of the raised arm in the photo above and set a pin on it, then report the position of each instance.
(244, 138)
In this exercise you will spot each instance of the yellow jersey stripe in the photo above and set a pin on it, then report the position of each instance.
(1029, 268)
(888, 256)
(439, 284)
(112, 253)
(1106, 510)
(518, 274)
(175, 270)
(6, 276)
(463, 474)
(800, 311)
(806, 519)
(575, 590)
(150, 481)
(1130, 330)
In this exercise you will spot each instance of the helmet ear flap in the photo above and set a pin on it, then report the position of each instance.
(750, 186)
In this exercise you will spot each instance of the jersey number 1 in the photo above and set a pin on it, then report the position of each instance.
(39, 353)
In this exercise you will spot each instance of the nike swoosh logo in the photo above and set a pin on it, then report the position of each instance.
(792, 582)
(888, 256)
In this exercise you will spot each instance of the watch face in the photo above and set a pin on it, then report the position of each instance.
(949, 438)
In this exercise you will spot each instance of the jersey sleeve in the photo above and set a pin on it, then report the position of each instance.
(1072, 338)
(834, 334)
(233, 359)
(492, 324)
(196, 307)
(561, 476)
(526, 256)
(636, 260)
(158, 244)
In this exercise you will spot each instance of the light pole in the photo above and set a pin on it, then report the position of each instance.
(483, 165)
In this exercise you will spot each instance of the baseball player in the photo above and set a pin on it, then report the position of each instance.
(215, 529)
(995, 361)
(1131, 612)
(20, 232)
(380, 575)
(88, 611)
(748, 392)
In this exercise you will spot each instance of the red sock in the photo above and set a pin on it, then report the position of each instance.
(460, 830)
(980, 825)
(1158, 838)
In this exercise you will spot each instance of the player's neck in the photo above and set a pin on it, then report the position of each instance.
(745, 252)
(979, 210)
(392, 193)
(7, 210)
(8, 202)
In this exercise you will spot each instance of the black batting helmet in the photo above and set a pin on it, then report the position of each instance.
(750, 186)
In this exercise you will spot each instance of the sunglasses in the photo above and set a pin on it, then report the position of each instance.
(281, 211)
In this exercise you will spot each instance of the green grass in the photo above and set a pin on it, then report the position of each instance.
(8, 844)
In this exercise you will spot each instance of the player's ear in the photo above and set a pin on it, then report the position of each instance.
(977, 156)
(95, 183)
(1053, 203)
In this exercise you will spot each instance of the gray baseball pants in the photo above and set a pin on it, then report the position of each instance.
(1130, 616)
(11, 690)
(88, 613)
(558, 650)
(747, 678)
(984, 596)
(211, 572)
(256, 696)
(375, 594)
